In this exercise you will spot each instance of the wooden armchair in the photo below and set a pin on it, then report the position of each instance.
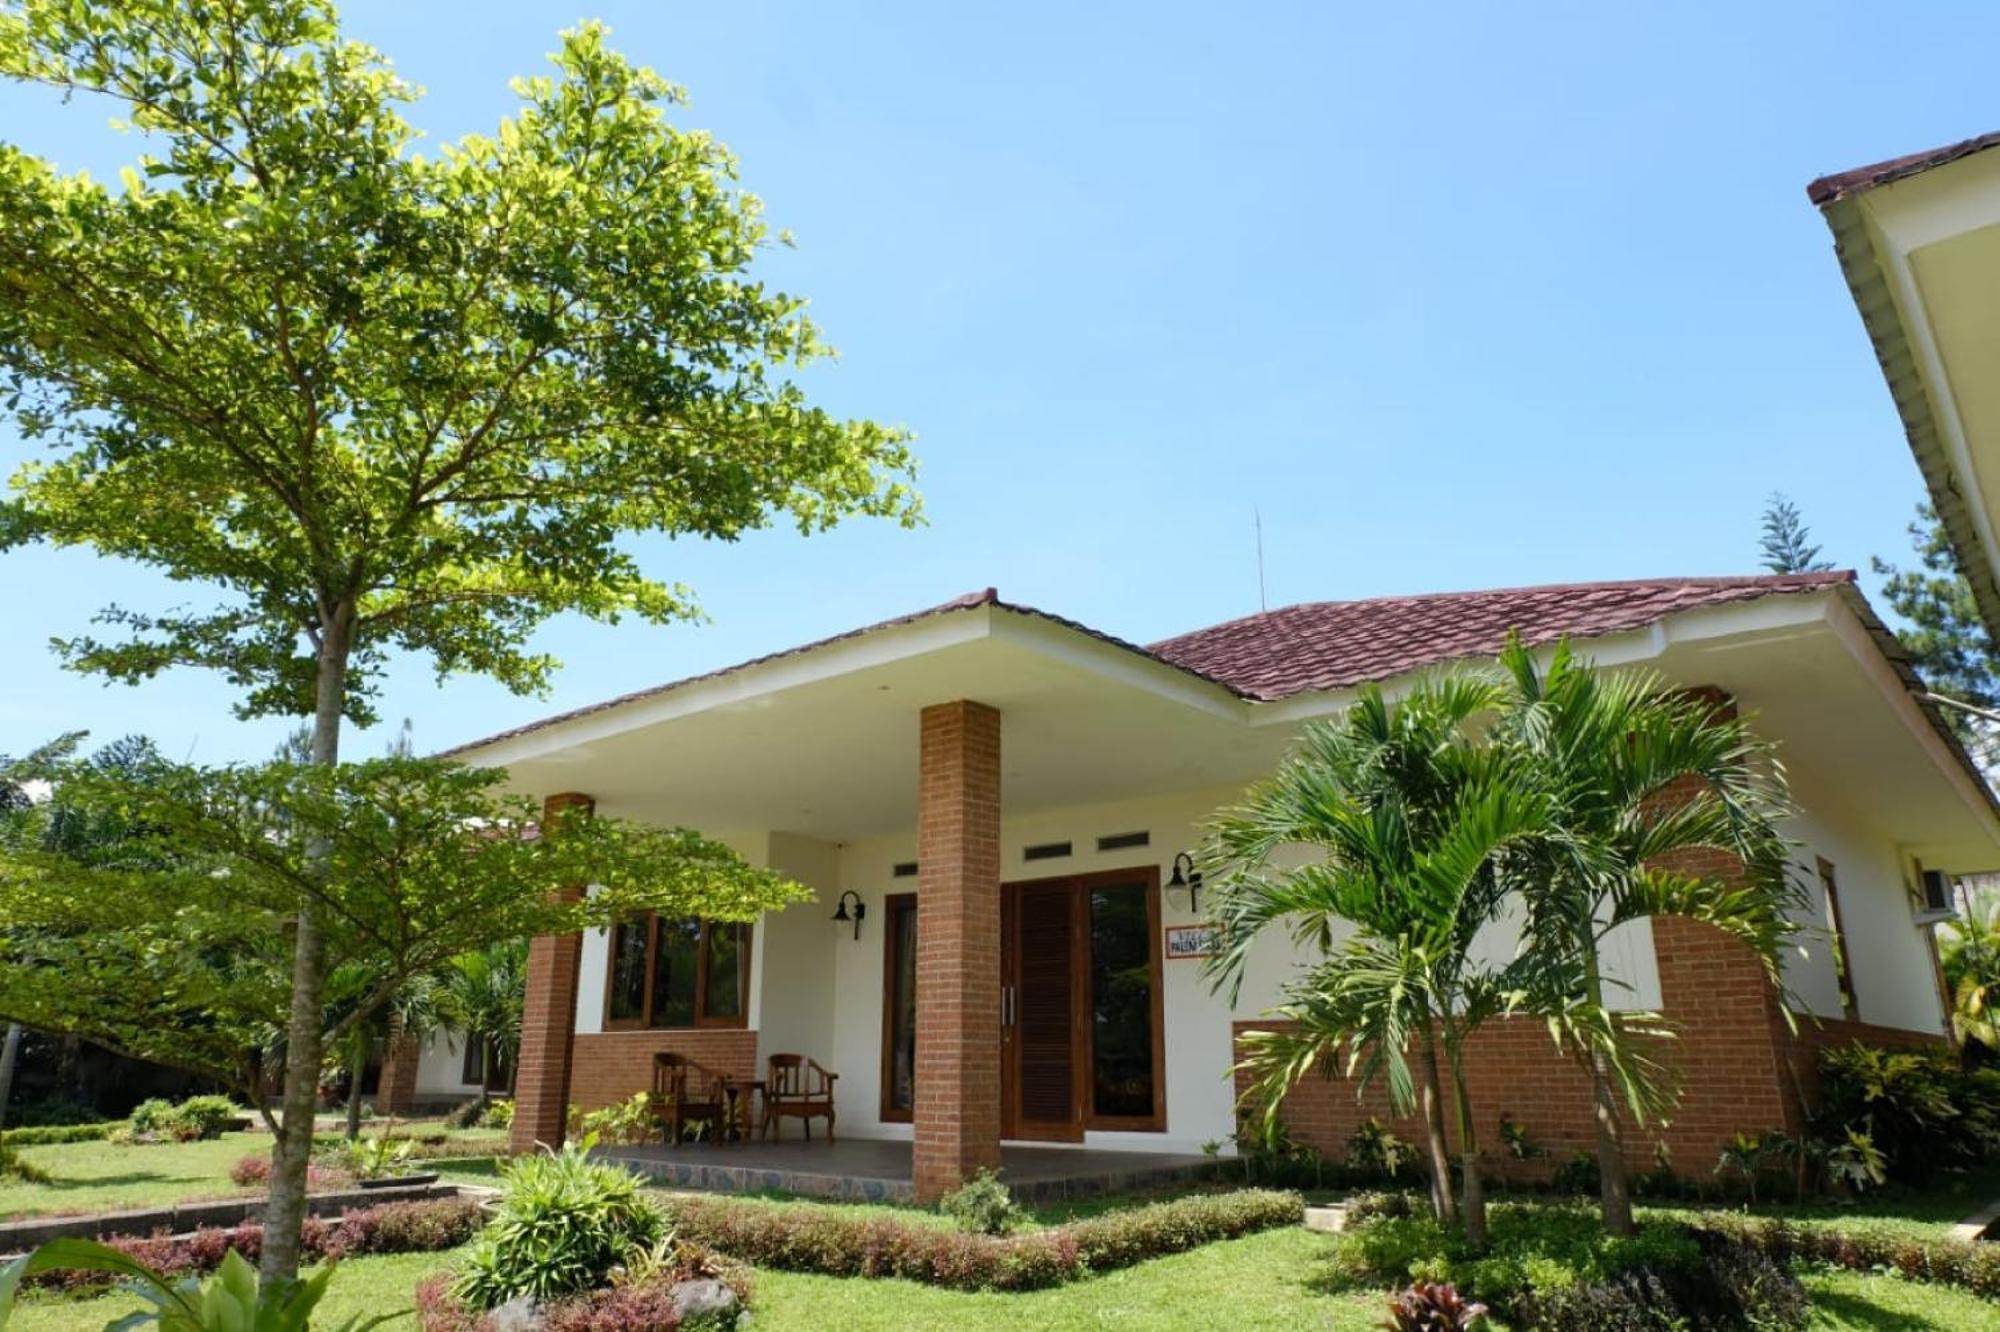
(685, 1092)
(797, 1086)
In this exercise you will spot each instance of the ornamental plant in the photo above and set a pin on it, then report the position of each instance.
(563, 1224)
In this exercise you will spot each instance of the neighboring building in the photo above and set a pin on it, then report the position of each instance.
(1919, 242)
(1006, 791)
(438, 1073)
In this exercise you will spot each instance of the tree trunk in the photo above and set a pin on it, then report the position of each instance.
(1614, 1189)
(284, 1213)
(357, 1067)
(1443, 1204)
(10, 1055)
(1474, 1207)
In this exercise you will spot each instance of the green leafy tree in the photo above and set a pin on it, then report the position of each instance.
(1402, 811)
(1943, 632)
(482, 997)
(1970, 956)
(1640, 779)
(372, 401)
(1786, 544)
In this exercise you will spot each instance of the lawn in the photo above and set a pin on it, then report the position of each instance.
(105, 1176)
(1928, 1213)
(1264, 1281)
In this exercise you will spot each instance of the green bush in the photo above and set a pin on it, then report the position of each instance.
(982, 1205)
(44, 1135)
(46, 1113)
(1552, 1266)
(1918, 1106)
(499, 1114)
(156, 1120)
(807, 1237)
(562, 1223)
(208, 1115)
(1973, 1265)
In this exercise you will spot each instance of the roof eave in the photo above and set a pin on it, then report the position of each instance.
(1867, 281)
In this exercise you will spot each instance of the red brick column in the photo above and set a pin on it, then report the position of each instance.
(548, 1022)
(958, 946)
(396, 1089)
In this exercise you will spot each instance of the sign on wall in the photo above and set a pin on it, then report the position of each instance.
(1184, 941)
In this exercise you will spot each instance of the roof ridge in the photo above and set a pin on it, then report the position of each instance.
(1826, 578)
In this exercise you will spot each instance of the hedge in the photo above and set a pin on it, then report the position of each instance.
(43, 1135)
(397, 1227)
(1971, 1264)
(827, 1241)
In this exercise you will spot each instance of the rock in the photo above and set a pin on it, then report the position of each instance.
(706, 1303)
(516, 1315)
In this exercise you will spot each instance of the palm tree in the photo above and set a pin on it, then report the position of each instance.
(1637, 775)
(1971, 959)
(415, 1010)
(1404, 810)
(482, 996)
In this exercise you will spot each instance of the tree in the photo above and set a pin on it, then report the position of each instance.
(1404, 811)
(1637, 776)
(377, 402)
(176, 949)
(1787, 543)
(482, 997)
(1942, 630)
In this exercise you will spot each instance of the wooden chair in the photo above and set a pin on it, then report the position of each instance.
(797, 1086)
(685, 1092)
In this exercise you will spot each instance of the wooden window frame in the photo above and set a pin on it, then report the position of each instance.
(1843, 956)
(644, 1021)
(890, 1112)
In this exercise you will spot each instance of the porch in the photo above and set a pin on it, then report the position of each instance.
(879, 1170)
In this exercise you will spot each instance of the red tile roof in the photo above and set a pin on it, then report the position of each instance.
(1844, 184)
(1330, 644)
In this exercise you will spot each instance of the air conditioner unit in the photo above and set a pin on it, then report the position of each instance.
(1934, 897)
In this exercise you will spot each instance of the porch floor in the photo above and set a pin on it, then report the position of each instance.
(878, 1170)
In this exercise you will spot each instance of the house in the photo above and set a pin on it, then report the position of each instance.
(1918, 239)
(1006, 792)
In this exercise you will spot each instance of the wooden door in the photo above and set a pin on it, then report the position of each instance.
(1039, 980)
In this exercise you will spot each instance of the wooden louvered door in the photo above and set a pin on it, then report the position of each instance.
(1040, 964)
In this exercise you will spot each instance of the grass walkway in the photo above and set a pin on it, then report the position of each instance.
(1266, 1281)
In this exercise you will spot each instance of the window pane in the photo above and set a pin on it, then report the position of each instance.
(726, 946)
(674, 973)
(473, 1069)
(1121, 1002)
(628, 971)
(903, 1006)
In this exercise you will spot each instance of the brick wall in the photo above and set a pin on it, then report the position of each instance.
(957, 1118)
(548, 1023)
(614, 1065)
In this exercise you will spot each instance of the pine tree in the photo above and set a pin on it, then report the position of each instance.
(1787, 543)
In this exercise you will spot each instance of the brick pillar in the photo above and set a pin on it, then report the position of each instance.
(396, 1089)
(548, 1022)
(958, 946)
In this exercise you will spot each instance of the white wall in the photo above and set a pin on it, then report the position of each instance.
(440, 1066)
(1889, 959)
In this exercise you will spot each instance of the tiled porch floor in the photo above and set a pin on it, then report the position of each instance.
(871, 1170)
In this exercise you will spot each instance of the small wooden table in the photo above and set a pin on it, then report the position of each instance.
(739, 1092)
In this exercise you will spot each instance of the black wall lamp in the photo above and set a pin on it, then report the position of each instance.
(1188, 877)
(841, 914)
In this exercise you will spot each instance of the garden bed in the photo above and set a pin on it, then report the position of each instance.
(18, 1237)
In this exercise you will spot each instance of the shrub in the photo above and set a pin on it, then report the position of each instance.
(982, 1205)
(13, 1167)
(628, 1121)
(1734, 1286)
(1578, 1175)
(499, 1114)
(563, 1222)
(255, 1169)
(1920, 1107)
(47, 1113)
(208, 1115)
(1973, 1265)
(401, 1227)
(804, 1237)
(1373, 1147)
(153, 1120)
(1430, 1306)
(42, 1135)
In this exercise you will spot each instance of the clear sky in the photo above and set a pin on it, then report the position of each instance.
(1457, 296)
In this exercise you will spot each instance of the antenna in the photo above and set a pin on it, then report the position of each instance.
(1257, 518)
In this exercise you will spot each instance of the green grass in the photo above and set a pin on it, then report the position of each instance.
(105, 1176)
(1268, 1281)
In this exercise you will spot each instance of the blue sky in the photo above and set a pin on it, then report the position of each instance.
(1456, 296)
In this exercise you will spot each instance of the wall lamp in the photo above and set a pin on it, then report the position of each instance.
(1188, 877)
(841, 913)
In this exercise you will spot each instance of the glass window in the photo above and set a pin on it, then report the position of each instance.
(899, 1088)
(1121, 1003)
(668, 972)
